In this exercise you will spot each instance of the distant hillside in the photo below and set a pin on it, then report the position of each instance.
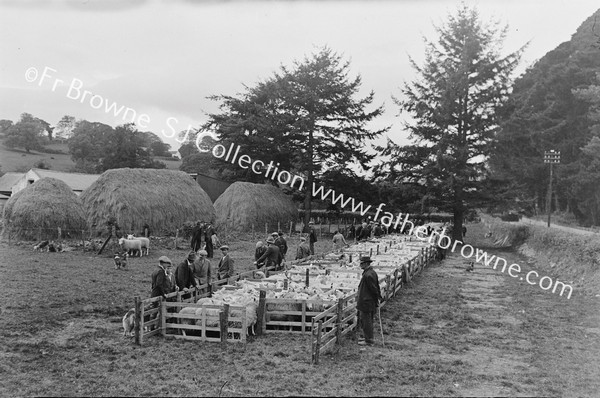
(19, 161)
(547, 112)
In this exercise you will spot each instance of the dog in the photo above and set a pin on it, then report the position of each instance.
(40, 246)
(128, 323)
(120, 260)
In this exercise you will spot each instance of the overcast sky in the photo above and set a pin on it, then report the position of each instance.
(163, 58)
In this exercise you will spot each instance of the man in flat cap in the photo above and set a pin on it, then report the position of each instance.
(184, 273)
(272, 257)
(202, 269)
(303, 250)
(162, 279)
(225, 267)
(369, 296)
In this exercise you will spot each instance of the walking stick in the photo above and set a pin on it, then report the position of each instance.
(380, 325)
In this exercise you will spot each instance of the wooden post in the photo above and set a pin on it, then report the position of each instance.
(223, 318)
(338, 324)
(395, 282)
(138, 320)
(371, 252)
(307, 278)
(278, 226)
(291, 223)
(260, 313)
(385, 249)
(350, 257)
(163, 316)
(388, 280)
(176, 236)
(318, 345)
(377, 249)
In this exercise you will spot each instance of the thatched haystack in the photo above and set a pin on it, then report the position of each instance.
(163, 199)
(244, 204)
(37, 211)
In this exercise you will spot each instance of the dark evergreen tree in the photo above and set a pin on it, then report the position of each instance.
(453, 103)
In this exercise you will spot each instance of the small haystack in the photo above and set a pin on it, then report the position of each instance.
(37, 211)
(163, 199)
(244, 204)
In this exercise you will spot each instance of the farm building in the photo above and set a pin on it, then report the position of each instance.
(37, 211)
(7, 181)
(78, 182)
(162, 199)
(244, 204)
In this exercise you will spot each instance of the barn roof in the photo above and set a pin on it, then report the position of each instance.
(8, 180)
(76, 181)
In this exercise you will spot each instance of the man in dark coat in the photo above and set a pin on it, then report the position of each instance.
(208, 239)
(272, 255)
(162, 283)
(196, 242)
(365, 232)
(377, 231)
(312, 237)
(225, 267)
(282, 244)
(369, 296)
(184, 273)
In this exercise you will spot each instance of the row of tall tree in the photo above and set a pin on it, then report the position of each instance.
(310, 119)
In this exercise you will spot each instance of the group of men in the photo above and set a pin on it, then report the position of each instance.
(204, 233)
(195, 270)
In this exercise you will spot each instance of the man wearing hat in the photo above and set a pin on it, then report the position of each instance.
(369, 296)
(312, 236)
(201, 269)
(225, 267)
(184, 273)
(303, 250)
(272, 257)
(162, 278)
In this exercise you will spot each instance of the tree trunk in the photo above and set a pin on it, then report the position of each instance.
(310, 179)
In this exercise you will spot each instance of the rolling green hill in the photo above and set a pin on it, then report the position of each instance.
(18, 160)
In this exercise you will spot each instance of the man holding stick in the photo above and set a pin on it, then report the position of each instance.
(369, 296)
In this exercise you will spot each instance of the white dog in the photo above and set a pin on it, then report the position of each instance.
(128, 323)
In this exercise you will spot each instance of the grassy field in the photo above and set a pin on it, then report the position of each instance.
(450, 333)
(20, 161)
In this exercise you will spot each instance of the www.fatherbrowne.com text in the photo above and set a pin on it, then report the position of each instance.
(272, 171)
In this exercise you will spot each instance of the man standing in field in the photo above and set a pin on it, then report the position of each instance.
(369, 296)
(282, 244)
(225, 264)
(338, 241)
(202, 271)
(196, 243)
(184, 274)
(208, 239)
(163, 282)
(312, 237)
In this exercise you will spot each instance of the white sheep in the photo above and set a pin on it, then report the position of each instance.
(130, 245)
(145, 242)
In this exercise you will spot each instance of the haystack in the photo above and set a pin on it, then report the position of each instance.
(37, 211)
(163, 199)
(244, 204)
